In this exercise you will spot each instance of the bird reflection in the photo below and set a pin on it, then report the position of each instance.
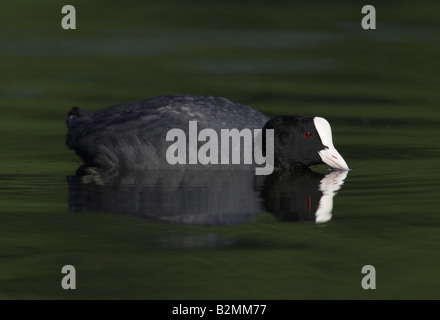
(206, 197)
(299, 196)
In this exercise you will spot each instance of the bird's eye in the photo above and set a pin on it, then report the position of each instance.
(307, 134)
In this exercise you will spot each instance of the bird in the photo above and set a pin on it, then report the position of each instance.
(135, 135)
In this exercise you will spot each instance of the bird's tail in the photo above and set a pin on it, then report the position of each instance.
(75, 115)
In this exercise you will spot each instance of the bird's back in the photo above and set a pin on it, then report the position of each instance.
(132, 135)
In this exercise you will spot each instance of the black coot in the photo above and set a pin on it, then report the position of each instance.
(133, 135)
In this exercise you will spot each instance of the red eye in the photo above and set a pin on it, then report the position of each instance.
(307, 134)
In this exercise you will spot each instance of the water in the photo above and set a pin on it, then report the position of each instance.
(222, 236)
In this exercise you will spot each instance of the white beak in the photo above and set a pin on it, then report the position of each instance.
(332, 157)
(329, 155)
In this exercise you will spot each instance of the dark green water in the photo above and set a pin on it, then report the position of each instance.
(379, 89)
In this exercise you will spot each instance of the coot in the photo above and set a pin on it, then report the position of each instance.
(134, 135)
